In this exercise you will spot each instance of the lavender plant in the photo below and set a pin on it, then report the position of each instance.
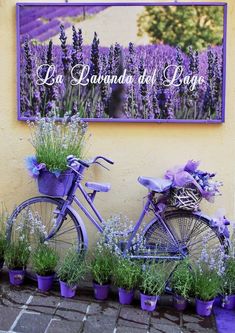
(44, 260)
(126, 273)
(3, 221)
(154, 277)
(181, 279)
(101, 264)
(17, 254)
(228, 284)
(208, 272)
(72, 269)
(54, 141)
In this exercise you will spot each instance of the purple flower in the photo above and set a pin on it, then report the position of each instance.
(191, 166)
(33, 166)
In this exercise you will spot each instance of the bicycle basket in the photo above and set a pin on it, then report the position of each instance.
(53, 186)
(185, 198)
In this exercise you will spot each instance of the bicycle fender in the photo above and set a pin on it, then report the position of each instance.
(201, 214)
(82, 225)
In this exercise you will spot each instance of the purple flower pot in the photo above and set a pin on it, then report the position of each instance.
(125, 296)
(148, 303)
(54, 186)
(204, 308)
(45, 282)
(217, 301)
(16, 276)
(66, 290)
(228, 302)
(179, 302)
(101, 292)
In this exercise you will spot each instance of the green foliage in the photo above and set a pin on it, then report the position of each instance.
(101, 265)
(154, 277)
(182, 279)
(44, 260)
(126, 273)
(196, 26)
(228, 282)
(3, 242)
(206, 282)
(54, 141)
(72, 268)
(17, 254)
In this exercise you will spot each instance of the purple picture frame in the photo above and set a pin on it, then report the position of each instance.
(132, 120)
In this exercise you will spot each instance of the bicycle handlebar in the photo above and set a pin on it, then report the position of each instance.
(71, 159)
(103, 158)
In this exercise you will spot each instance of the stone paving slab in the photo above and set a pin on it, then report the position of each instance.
(32, 323)
(130, 316)
(71, 310)
(197, 323)
(125, 329)
(13, 296)
(44, 303)
(166, 329)
(7, 317)
(62, 326)
(165, 316)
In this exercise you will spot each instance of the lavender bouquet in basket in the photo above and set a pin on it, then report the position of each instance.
(53, 142)
(189, 176)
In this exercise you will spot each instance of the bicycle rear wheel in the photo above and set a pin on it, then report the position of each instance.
(47, 210)
(190, 231)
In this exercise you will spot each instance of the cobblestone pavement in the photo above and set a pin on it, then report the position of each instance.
(24, 309)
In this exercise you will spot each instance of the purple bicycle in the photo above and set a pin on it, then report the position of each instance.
(172, 233)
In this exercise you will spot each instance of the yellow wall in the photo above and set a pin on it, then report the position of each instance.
(137, 149)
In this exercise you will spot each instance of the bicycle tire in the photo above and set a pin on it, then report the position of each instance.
(69, 234)
(188, 228)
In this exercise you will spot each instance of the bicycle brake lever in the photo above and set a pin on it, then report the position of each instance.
(102, 165)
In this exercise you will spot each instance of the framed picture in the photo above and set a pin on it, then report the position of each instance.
(122, 62)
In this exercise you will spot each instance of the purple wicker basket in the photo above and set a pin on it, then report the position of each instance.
(53, 186)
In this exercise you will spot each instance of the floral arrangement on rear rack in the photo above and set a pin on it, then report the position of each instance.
(53, 142)
(190, 185)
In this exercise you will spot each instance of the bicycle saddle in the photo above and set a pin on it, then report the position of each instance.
(155, 184)
(98, 187)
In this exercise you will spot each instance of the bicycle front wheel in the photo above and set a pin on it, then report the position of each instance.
(43, 212)
(190, 231)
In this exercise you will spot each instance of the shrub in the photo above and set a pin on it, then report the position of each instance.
(154, 277)
(72, 268)
(44, 260)
(54, 141)
(126, 273)
(17, 254)
(101, 265)
(181, 279)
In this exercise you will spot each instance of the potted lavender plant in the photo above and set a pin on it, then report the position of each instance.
(101, 265)
(44, 262)
(53, 142)
(16, 258)
(206, 286)
(153, 280)
(3, 242)
(228, 285)
(126, 275)
(70, 271)
(181, 281)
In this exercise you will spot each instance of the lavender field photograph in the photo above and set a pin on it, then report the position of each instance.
(122, 62)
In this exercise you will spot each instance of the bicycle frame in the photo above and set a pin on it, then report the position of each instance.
(99, 223)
